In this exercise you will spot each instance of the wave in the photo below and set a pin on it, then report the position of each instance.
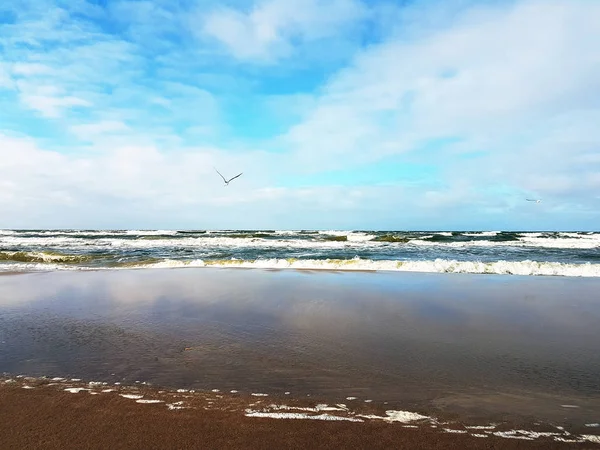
(346, 236)
(258, 241)
(591, 242)
(336, 238)
(391, 244)
(482, 233)
(249, 235)
(390, 238)
(526, 268)
(150, 232)
(458, 237)
(44, 257)
(439, 266)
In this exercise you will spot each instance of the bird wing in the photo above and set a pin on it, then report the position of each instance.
(220, 174)
(234, 177)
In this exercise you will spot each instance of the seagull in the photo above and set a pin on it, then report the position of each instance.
(533, 200)
(227, 181)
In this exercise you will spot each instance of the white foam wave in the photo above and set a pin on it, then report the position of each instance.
(583, 242)
(352, 236)
(287, 232)
(356, 264)
(75, 233)
(580, 242)
(334, 232)
(36, 267)
(208, 242)
(115, 239)
(482, 233)
(151, 232)
(438, 265)
(51, 241)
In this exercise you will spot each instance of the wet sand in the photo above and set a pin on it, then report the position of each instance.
(460, 347)
(45, 414)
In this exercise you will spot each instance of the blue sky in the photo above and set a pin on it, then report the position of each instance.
(347, 114)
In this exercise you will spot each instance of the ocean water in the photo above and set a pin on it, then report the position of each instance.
(499, 252)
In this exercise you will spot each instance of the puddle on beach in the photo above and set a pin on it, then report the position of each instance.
(472, 345)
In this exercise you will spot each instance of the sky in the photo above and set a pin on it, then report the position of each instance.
(341, 114)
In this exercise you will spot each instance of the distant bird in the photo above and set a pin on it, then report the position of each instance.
(533, 200)
(227, 181)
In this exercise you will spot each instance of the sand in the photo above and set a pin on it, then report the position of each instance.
(46, 416)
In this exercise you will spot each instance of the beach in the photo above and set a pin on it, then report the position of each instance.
(312, 224)
(512, 359)
(38, 417)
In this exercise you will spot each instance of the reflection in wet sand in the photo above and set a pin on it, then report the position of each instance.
(460, 343)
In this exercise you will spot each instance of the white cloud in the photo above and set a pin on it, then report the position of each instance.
(498, 78)
(29, 69)
(52, 106)
(127, 177)
(100, 79)
(140, 186)
(91, 131)
(268, 31)
(50, 101)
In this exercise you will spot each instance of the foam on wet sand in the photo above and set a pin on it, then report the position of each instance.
(196, 401)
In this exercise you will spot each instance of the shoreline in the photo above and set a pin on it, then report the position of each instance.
(143, 403)
(247, 265)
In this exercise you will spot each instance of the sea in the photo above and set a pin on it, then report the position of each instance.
(491, 252)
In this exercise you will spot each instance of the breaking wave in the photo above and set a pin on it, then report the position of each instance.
(437, 266)
(528, 268)
(501, 252)
(44, 257)
(390, 238)
(301, 240)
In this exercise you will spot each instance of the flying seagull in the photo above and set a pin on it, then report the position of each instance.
(227, 181)
(533, 200)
